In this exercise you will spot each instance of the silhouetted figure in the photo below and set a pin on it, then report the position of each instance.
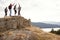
(19, 9)
(15, 9)
(6, 11)
(10, 8)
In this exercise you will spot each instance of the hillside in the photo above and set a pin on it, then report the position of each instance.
(19, 28)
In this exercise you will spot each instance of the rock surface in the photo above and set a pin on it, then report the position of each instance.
(13, 22)
(19, 28)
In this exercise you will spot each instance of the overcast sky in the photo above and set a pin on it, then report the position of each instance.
(36, 10)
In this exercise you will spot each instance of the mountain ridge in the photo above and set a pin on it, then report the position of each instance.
(45, 25)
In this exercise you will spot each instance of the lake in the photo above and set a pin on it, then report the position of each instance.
(49, 29)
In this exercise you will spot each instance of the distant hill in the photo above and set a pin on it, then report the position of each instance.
(56, 23)
(45, 25)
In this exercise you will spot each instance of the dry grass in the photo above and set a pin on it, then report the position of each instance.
(29, 33)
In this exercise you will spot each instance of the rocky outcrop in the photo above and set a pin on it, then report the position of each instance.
(13, 22)
(19, 28)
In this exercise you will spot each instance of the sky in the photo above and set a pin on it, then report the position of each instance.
(36, 10)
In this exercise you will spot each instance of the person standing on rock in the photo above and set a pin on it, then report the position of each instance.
(6, 11)
(10, 8)
(19, 9)
(15, 9)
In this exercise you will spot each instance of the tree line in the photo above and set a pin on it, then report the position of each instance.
(55, 32)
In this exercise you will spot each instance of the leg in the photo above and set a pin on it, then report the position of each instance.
(10, 12)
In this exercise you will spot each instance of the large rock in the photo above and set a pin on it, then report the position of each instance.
(13, 22)
(19, 28)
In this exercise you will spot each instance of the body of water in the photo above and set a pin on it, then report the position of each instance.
(49, 29)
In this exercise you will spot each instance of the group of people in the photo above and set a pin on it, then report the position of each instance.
(10, 9)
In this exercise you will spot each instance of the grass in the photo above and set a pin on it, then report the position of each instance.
(29, 33)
